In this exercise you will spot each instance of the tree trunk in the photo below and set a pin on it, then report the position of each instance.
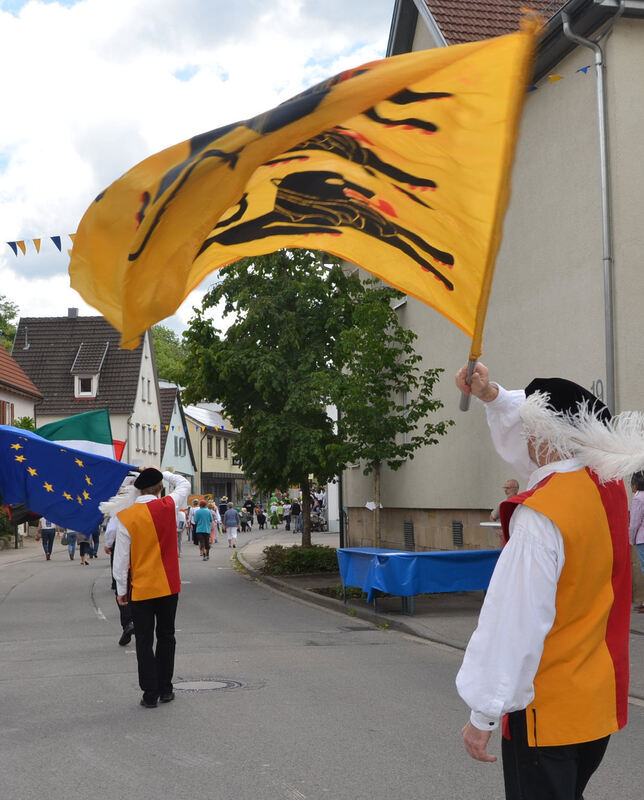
(306, 513)
(376, 512)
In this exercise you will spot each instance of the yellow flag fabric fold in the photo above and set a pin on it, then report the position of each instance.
(400, 166)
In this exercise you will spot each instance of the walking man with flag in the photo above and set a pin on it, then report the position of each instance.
(146, 545)
(550, 653)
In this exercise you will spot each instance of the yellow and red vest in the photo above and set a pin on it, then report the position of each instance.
(581, 685)
(154, 556)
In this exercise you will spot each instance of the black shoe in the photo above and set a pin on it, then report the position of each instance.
(127, 634)
(167, 698)
(148, 703)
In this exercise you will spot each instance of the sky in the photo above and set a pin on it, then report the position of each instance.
(92, 87)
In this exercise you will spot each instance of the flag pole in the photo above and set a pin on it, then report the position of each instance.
(464, 405)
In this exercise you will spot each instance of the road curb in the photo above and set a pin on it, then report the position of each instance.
(377, 620)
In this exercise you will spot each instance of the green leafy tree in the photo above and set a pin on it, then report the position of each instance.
(8, 313)
(26, 423)
(169, 353)
(383, 397)
(289, 309)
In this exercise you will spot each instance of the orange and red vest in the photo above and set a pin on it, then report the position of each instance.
(154, 556)
(581, 685)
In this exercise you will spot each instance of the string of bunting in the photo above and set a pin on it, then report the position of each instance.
(21, 244)
(186, 428)
(557, 78)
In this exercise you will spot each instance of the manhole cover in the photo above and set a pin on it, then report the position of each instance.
(207, 685)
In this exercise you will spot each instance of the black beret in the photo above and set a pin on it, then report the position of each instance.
(148, 477)
(566, 397)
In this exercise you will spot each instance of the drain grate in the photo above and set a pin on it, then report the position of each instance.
(207, 685)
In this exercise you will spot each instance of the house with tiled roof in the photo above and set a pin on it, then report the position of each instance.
(567, 289)
(176, 447)
(213, 441)
(18, 394)
(78, 366)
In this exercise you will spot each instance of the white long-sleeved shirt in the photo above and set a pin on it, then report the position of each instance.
(502, 657)
(179, 490)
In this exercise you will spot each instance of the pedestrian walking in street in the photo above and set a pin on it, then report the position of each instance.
(85, 545)
(95, 542)
(551, 647)
(146, 545)
(636, 523)
(261, 518)
(215, 523)
(203, 522)
(232, 523)
(72, 537)
(181, 526)
(274, 517)
(47, 532)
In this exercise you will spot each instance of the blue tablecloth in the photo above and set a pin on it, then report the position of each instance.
(402, 573)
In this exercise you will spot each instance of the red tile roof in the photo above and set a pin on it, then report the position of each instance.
(13, 379)
(471, 20)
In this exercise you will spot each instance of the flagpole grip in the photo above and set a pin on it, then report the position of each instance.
(464, 405)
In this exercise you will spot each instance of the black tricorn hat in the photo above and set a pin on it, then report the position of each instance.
(148, 477)
(567, 397)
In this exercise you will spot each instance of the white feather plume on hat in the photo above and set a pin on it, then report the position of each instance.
(125, 497)
(613, 449)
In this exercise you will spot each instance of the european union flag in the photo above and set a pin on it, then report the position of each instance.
(62, 484)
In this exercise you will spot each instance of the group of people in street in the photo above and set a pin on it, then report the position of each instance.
(88, 543)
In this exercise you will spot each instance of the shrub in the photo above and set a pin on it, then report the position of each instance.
(296, 560)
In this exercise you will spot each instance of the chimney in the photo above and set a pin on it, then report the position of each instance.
(72, 313)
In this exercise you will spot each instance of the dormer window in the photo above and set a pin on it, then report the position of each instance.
(85, 385)
(87, 368)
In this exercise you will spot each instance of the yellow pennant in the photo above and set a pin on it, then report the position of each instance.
(400, 166)
(23, 247)
(36, 244)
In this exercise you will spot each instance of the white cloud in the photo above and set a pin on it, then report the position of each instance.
(92, 87)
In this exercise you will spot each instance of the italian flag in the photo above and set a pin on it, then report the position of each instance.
(90, 432)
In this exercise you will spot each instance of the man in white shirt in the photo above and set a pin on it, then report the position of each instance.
(522, 659)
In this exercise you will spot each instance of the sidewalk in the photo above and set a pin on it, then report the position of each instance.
(448, 619)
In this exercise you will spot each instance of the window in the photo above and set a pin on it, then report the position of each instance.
(149, 392)
(225, 448)
(143, 389)
(209, 446)
(218, 446)
(176, 445)
(154, 440)
(85, 385)
(138, 435)
(6, 412)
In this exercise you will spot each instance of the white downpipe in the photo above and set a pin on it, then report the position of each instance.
(604, 165)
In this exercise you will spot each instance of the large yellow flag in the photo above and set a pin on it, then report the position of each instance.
(400, 166)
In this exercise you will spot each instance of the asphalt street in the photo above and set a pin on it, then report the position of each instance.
(276, 698)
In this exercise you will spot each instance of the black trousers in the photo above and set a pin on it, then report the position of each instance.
(125, 612)
(547, 773)
(156, 665)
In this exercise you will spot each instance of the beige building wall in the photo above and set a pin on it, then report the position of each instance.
(546, 314)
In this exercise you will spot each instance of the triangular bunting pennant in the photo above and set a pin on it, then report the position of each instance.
(584, 69)
(37, 244)
(56, 240)
(532, 88)
(555, 78)
(23, 247)
(14, 247)
(72, 236)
